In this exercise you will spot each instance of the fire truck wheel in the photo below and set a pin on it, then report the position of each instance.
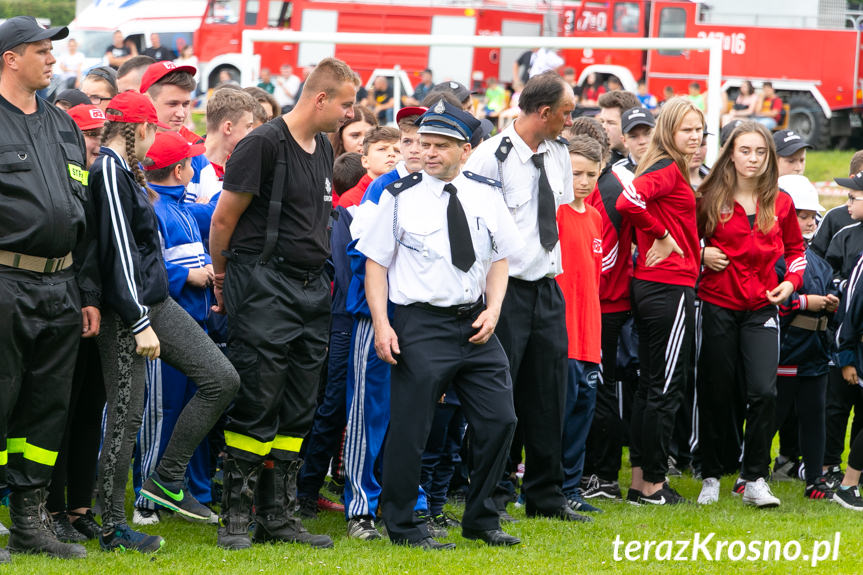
(807, 119)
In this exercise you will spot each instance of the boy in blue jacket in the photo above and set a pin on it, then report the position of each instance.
(168, 169)
(804, 358)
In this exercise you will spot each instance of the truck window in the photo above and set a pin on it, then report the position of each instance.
(672, 24)
(223, 12)
(626, 17)
(252, 7)
(279, 14)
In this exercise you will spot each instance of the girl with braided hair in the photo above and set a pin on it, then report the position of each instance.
(141, 322)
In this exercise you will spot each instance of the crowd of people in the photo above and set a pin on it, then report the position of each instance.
(431, 311)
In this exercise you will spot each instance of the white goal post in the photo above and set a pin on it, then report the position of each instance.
(713, 45)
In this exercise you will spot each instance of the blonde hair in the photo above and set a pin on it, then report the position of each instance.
(717, 189)
(662, 146)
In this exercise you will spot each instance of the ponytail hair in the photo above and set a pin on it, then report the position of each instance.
(127, 130)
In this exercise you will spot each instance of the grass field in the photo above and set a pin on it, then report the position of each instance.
(547, 546)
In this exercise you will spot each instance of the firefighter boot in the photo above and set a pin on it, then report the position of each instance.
(275, 502)
(31, 530)
(238, 493)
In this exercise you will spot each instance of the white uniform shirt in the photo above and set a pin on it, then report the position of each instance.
(520, 192)
(409, 236)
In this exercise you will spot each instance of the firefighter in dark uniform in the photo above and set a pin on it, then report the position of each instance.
(272, 221)
(45, 253)
(437, 249)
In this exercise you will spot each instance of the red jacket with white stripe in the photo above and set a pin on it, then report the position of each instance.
(616, 273)
(661, 199)
(752, 256)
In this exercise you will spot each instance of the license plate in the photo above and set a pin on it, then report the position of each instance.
(855, 121)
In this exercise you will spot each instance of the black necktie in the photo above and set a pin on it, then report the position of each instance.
(460, 244)
(545, 212)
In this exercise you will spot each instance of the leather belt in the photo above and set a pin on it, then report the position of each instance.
(464, 310)
(35, 263)
(810, 323)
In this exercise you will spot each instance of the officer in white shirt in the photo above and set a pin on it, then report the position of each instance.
(437, 249)
(536, 175)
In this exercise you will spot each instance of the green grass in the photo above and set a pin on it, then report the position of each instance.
(547, 546)
(823, 166)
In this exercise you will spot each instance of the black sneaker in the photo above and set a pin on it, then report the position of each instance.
(833, 476)
(602, 489)
(86, 524)
(123, 538)
(818, 490)
(665, 496)
(435, 530)
(739, 487)
(64, 530)
(785, 469)
(849, 498)
(308, 507)
(632, 496)
(174, 497)
(446, 520)
(577, 503)
(673, 470)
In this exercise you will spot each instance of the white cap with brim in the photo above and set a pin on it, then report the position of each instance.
(25, 30)
(802, 192)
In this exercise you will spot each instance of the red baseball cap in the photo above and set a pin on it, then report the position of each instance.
(169, 148)
(410, 111)
(134, 108)
(159, 70)
(87, 116)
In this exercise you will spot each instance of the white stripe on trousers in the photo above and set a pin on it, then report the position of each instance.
(355, 437)
(675, 339)
(150, 434)
(693, 437)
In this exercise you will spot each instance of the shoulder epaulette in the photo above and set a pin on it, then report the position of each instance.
(562, 140)
(401, 185)
(503, 149)
(482, 179)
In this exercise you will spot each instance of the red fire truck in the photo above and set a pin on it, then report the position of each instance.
(815, 69)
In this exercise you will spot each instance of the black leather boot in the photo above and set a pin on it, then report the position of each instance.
(275, 503)
(238, 493)
(31, 530)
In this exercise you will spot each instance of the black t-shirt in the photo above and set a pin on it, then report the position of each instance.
(160, 53)
(118, 52)
(306, 201)
(524, 62)
(382, 97)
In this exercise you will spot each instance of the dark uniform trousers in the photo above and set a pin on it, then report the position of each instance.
(278, 322)
(744, 343)
(435, 353)
(605, 441)
(40, 329)
(532, 331)
(665, 318)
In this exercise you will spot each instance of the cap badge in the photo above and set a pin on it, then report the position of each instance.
(397, 185)
(439, 108)
(453, 85)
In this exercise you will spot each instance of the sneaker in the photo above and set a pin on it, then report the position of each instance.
(785, 469)
(174, 497)
(709, 491)
(632, 496)
(363, 528)
(64, 531)
(86, 524)
(577, 503)
(336, 486)
(833, 476)
(519, 502)
(3, 530)
(818, 490)
(600, 488)
(143, 516)
(446, 520)
(849, 498)
(435, 531)
(325, 504)
(307, 508)
(739, 486)
(665, 496)
(673, 470)
(758, 493)
(123, 538)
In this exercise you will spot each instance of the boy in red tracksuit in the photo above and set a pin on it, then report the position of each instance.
(580, 232)
(660, 204)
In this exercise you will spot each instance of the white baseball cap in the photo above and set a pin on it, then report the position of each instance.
(802, 192)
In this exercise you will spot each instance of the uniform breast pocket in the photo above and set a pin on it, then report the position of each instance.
(76, 171)
(516, 198)
(423, 235)
(16, 167)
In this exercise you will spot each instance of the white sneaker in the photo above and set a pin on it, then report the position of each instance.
(709, 491)
(145, 517)
(3, 530)
(758, 493)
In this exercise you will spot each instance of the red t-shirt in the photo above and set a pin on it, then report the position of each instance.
(354, 196)
(581, 252)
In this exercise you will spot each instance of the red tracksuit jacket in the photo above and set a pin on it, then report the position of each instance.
(661, 199)
(752, 256)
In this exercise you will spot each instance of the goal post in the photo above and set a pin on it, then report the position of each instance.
(712, 45)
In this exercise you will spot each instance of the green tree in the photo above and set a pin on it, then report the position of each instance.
(59, 12)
